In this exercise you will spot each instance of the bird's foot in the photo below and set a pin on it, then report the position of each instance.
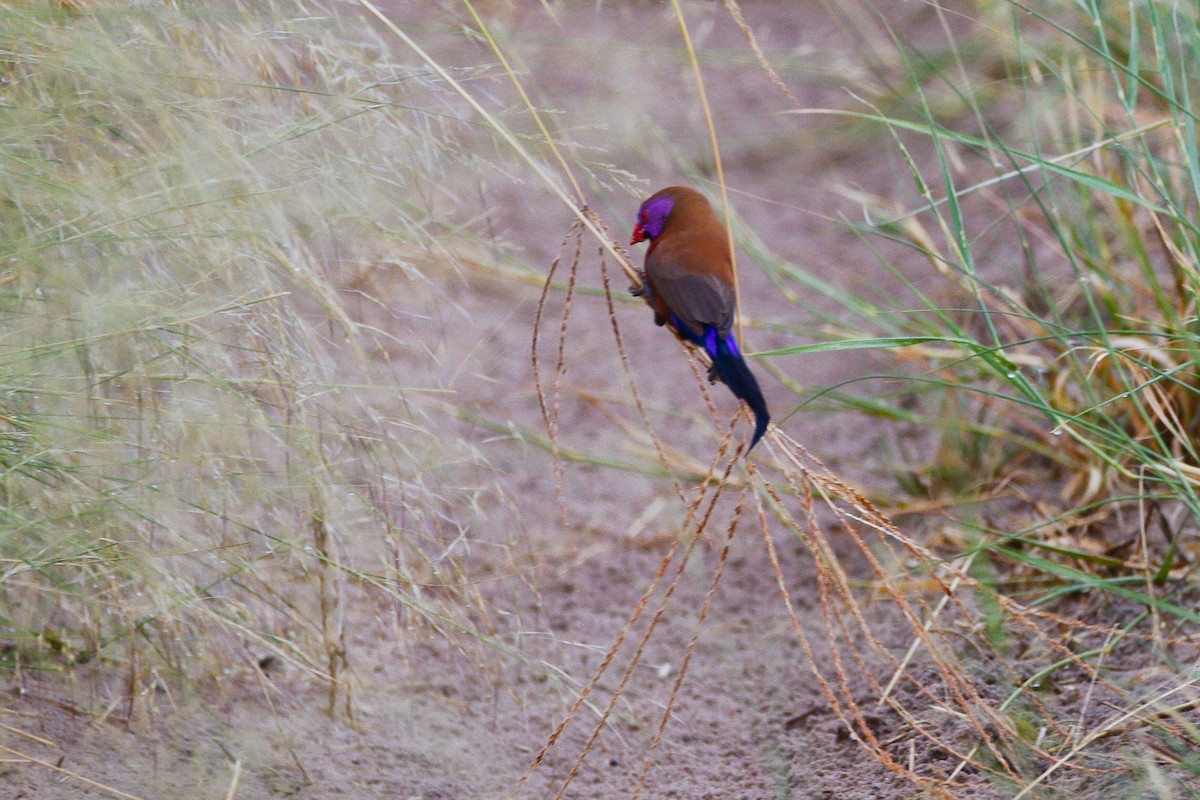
(713, 377)
(640, 290)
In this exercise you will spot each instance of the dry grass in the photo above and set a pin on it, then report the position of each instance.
(209, 449)
(204, 458)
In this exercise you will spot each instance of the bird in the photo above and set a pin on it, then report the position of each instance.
(689, 285)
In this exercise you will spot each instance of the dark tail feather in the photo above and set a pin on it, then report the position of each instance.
(733, 372)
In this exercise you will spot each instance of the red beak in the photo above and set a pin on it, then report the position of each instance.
(639, 234)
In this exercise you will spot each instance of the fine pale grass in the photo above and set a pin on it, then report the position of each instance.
(207, 449)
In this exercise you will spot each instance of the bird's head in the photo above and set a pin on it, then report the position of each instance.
(652, 217)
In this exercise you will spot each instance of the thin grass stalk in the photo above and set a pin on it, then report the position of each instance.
(690, 650)
(580, 199)
(636, 658)
(550, 419)
(610, 655)
(717, 163)
(66, 773)
(511, 141)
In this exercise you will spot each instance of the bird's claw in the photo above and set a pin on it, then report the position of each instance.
(643, 288)
(713, 377)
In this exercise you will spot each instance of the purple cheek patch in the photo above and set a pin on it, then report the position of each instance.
(654, 213)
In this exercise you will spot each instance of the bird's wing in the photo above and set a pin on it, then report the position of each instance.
(698, 300)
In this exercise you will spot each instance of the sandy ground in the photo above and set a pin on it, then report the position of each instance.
(436, 720)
